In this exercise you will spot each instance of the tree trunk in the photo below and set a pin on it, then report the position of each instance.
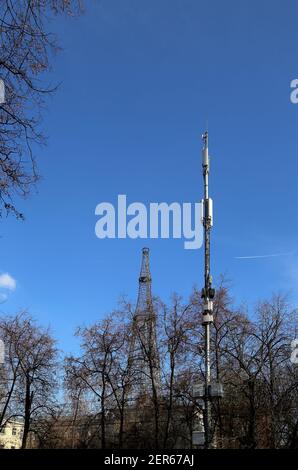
(28, 401)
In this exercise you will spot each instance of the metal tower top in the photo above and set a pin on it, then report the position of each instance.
(145, 275)
(144, 303)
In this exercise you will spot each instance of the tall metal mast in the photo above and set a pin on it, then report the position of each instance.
(209, 390)
(207, 291)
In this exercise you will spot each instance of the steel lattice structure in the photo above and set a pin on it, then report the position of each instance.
(144, 358)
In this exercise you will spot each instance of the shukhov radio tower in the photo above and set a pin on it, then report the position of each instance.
(144, 359)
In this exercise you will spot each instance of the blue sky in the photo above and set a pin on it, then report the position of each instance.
(139, 79)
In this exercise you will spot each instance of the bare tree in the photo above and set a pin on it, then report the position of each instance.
(26, 46)
(147, 379)
(12, 337)
(274, 332)
(251, 356)
(260, 382)
(93, 370)
(31, 365)
(178, 327)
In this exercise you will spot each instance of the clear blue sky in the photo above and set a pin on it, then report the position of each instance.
(139, 79)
